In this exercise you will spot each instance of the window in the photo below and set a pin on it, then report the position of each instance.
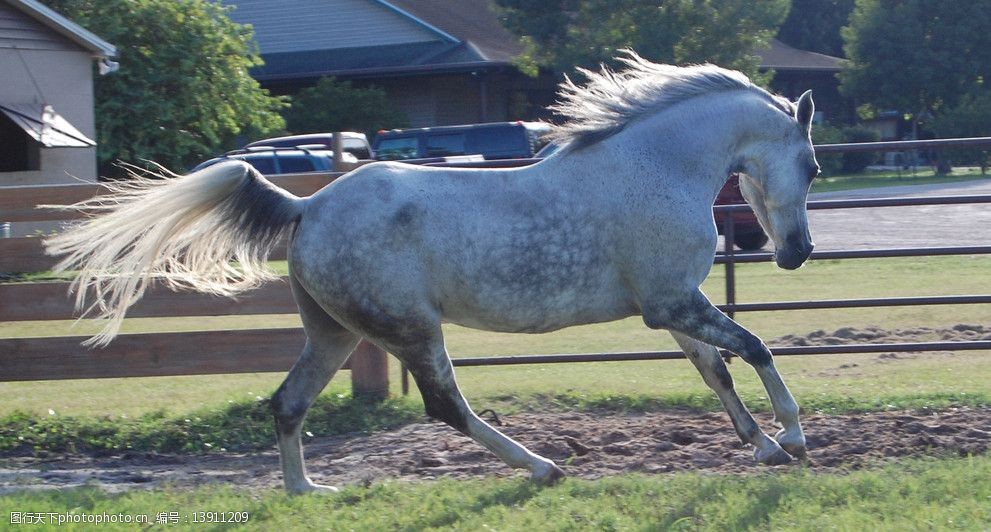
(18, 151)
(502, 141)
(444, 145)
(397, 148)
(265, 165)
(292, 164)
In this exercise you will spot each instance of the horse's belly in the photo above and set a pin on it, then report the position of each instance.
(547, 314)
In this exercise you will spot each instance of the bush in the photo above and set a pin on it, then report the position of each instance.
(831, 163)
(845, 163)
(856, 162)
(971, 117)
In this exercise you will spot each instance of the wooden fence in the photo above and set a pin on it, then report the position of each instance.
(150, 354)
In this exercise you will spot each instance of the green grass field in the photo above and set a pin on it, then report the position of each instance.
(949, 494)
(889, 178)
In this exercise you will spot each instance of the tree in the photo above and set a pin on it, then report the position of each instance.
(562, 34)
(970, 117)
(916, 56)
(815, 25)
(333, 105)
(183, 92)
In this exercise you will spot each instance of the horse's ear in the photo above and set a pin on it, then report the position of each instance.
(806, 108)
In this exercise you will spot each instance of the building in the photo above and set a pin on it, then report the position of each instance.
(46, 95)
(796, 71)
(444, 62)
(439, 65)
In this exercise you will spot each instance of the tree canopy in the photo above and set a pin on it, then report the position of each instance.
(183, 92)
(815, 25)
(918, 56)
(562, 34)
(333, 105)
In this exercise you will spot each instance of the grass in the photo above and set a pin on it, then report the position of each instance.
(951, 493)
(890, 178)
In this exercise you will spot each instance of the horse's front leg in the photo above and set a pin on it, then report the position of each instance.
(697, 318)
(707, 360)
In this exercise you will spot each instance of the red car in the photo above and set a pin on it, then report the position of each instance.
(747, 233)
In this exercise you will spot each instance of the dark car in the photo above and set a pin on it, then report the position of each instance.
(496, 140)
(274, 161)
(354, 143)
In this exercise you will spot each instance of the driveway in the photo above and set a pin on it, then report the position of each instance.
(896, 227)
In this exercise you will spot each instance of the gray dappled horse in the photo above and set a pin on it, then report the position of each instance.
(618, 223)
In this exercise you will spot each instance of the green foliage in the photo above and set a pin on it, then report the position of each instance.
(239, 426)
(849, 162)
(854, 162)
(917, 56)
(924, 494)
(814, 25)
(183, 92)
(971, 117)
(333, 105)
(830, 163)
(562, 34)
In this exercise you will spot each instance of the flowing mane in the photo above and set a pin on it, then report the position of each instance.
(610, 100)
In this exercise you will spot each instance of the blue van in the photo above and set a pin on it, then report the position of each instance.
(496, 140)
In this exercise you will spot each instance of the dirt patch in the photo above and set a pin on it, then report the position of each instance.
(961, 332)
(586, 445)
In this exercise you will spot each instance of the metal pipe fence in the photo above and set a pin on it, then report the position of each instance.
(729, 258)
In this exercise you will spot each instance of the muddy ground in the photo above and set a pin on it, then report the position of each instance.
(586, 444)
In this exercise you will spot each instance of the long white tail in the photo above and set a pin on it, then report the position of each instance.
(209, 231)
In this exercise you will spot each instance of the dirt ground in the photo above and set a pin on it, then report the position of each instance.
(585, 444)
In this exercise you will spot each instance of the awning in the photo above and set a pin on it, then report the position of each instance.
(45, 126)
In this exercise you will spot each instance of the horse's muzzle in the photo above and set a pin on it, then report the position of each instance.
(794, 253)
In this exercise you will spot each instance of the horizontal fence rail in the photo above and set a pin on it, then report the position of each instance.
(509, 360)
(234, 351)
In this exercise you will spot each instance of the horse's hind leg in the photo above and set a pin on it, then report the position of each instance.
(433, 372)
(707, 360)
(328, 345)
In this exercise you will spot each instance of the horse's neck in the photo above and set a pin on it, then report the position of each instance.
(692, 147)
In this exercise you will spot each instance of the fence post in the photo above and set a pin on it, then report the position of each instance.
(338, 148)
(369, 372)
(729, 235)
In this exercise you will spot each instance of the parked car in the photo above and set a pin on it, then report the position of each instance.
(496, 140)
(747, 232)
(354, 143)
(274, 161)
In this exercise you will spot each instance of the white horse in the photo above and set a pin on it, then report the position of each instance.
(618, 223)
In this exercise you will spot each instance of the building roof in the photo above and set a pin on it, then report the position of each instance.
(65, 27)
(473, 21)
(780, 56)
(300, 39)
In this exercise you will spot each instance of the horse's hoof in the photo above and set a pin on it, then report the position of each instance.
(548, 476)
(774, 456)
(794, 446)
(310, 487)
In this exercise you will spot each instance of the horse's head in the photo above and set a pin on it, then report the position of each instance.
(779, 165)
